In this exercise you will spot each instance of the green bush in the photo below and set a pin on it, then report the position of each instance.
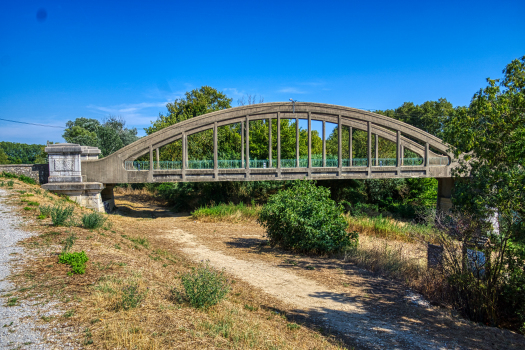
(131, 297)
(10, 183)
(93, 220)
(76, 260)
(204, 286)
(22, 178)
(45, 210)
(60, 214)
(304, 218)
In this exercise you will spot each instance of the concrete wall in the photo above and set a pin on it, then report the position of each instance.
(38, 172)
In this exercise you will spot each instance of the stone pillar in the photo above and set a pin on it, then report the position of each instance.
(65, 175)
(445, 187)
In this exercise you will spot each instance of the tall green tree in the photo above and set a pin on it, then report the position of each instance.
(109, 136)
(21, 153)
(491, 132)
(3, 157)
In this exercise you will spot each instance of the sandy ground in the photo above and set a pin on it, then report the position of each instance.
(368, 312)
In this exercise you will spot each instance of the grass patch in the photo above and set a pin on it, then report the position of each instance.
(12, 301)
(389, 228)
(227, 212)
(143, 241)
(60, 214)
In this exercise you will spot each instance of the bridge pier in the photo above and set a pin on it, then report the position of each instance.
(445, 187)
(65, 175)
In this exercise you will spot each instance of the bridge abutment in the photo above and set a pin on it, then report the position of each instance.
(445, 187)
(65, 176)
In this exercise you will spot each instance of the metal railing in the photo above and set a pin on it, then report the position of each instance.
(285, 163)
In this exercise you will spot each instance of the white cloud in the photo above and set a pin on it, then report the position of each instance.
(292, 90)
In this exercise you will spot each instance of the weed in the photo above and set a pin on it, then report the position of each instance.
(46, 318)
(41, 217)
(76, 260)
(68, 314)
(45, 210)
(93, 220)
(138, 240)
(293, 326)
(10, 183)
(35, 204)
(27, 195)
(88, 339)
(131, 297)
(8, 325)
(28, 208)
(69, 241)
(251, 308)
(204, 286)
(11, 301)
(310, 267)
(60, 214)
(117, 246)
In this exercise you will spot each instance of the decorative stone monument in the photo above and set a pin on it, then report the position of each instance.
(65, 175)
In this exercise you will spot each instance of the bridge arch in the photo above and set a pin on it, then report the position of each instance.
(112, 169)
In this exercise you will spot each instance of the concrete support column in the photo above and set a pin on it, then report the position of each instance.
(108, 197)
(215, 152)
(247, 142)
(309, 140)
(369, 148)
(324, 144)
(377, 149)
(279, 144)
(151, 164)
(350, 144)
(339, 145)
(297, 142)
(242, 146)
(158, 158)
(184, 155)
(444, 195)
(270, 142)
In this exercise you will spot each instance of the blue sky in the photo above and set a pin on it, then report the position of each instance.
(95, 58)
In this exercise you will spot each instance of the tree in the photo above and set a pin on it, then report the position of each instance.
(109, 136)
(21, 153)
(3, 157)
(491, 181)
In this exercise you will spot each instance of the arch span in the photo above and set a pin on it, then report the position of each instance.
(112, 169)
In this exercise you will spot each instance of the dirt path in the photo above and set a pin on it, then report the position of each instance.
(368, 313)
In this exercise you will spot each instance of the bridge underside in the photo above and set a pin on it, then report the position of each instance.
(433, 159)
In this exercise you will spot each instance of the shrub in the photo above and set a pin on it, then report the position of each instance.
(10, 183)
(45, 210)
(304, 218)
(60, 214)
(22, 178)
(76, 260)
(93, 220)
(204, 286)
(131, 297)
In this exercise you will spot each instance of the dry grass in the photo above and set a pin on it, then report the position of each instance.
(91, 301)
(227, 213)
(389, 228)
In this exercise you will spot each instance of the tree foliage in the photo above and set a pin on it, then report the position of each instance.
(21, 153)
(3, 157)
(491, 131)
(109, 136)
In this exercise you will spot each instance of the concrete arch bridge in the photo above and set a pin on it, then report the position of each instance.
(431, 159)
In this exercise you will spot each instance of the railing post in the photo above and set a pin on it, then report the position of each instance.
(340, 146)
(279, 143)
(242, 145)
(270, 142)
(297, 142)
(247, 142)
(350, 142)
(309, 140)
(215, 152)
(324, 144)
(369, 148)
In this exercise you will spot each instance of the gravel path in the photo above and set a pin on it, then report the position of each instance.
(17, 327)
